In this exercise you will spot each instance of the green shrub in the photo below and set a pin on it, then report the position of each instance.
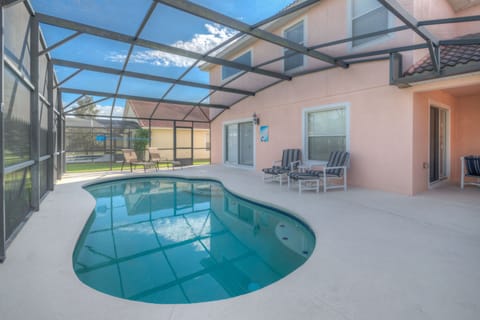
(140, 143)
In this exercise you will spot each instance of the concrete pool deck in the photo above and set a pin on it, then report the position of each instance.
(378, 256)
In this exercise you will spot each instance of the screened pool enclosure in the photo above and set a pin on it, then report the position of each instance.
(80, 80)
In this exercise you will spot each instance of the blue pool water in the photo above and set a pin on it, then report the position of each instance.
(166, 240)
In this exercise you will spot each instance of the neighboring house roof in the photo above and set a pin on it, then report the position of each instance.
(143, 109)
(87, 122)
(451, 56)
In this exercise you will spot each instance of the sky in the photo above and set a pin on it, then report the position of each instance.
(166, 25)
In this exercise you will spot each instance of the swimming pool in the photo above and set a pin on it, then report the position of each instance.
(172, 240)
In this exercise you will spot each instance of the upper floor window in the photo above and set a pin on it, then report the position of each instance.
(245, 59)
(296, 34)
(368, 16)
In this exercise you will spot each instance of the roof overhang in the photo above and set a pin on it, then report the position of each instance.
(459, 5)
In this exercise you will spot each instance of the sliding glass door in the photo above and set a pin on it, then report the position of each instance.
(239, 141)
(438, 144)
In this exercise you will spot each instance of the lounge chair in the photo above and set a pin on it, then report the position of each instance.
(335, 169)
(130, 157)
(470, 169)
(280, 168)
(156, 158)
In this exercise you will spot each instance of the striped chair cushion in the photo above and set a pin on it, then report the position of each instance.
(307, 174)
(289, 156)
(472, 163)
(337, 159)
(275, 170)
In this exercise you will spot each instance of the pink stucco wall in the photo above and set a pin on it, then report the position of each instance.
(466, 133)
(380, 128)
(389, 127)
(421, 134)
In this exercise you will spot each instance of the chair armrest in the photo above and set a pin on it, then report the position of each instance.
(292, 164)
(339, 167)
(276, 162)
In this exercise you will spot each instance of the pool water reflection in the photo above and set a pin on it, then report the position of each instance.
(165, 240)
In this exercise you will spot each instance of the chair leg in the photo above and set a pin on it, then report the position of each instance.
(122, 165)
(324, 182)
(462, 173)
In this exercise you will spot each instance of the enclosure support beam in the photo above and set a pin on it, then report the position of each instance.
(150, 132)
(127, 96)
(214, 16)
(153, 45)
(175, 141)
(394, 7)
(112, 152)
(35, 114)
(64, 154)
(87, 105)
(59, 43)
(61, 136)
(130, 50)
(132, 74)
(3, 231)
(50, 134)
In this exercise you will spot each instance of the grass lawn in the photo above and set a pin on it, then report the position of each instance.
(105, 166)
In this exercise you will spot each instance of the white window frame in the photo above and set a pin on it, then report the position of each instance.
(371, 42)
(239, 71)
(224, 141)
(333, 106)
(448, 109)
(291, 25)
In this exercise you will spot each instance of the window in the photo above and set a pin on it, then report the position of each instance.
(368, 16)
(326, 131)
(245, 59)
(295, 34)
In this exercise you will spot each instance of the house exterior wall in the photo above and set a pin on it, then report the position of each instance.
(380, 128)
(162, 138)
(421, 133)
(466, 134)
(388, 126)
(463, 128)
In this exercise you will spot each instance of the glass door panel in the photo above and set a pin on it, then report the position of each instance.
(246, 143)
(232, 143)
(438, 144)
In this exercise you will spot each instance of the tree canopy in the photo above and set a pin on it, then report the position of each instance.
(86, 106)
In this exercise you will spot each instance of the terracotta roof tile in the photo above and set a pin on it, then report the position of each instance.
(450, 56)
(143, 109)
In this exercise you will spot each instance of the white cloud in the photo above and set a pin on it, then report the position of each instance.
(102, 110)
(105, 110)
(200, 43)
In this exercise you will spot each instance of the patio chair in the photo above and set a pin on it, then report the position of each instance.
(335, 169)
(157, 159)
(280, 168)
(470, 169)
(130, 157)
